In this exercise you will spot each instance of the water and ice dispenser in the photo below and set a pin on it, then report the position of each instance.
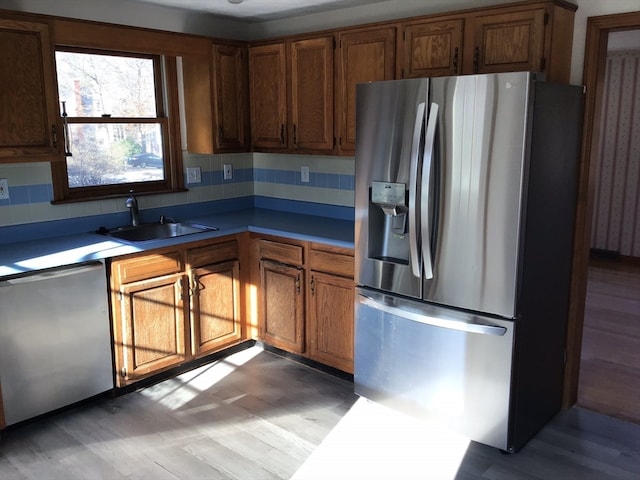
(388, 222)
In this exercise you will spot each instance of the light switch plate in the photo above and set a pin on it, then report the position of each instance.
(227, 170)
(194, 175)
(304, 174)
(4, 189)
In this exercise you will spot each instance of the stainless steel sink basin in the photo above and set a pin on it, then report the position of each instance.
(155, 231)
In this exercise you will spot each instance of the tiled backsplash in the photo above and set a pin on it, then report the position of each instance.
(268, 176)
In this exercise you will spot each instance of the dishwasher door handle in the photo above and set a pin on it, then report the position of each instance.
(40, 275)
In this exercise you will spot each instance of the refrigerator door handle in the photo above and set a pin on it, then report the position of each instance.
(436, 321)
(414, 215)
(430, 138)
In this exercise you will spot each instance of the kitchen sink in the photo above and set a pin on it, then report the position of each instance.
(155, 231)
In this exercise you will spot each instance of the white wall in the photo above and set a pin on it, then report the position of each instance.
(124, 12)
(592, 8)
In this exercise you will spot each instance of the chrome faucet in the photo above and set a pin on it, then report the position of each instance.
(132, 205)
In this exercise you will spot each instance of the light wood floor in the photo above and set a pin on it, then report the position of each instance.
(610, 361)
(255, 415)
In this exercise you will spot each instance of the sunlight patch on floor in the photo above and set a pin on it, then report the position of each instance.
(374, 442)
(177, 392)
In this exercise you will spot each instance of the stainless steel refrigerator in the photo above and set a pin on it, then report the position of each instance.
(465, 206)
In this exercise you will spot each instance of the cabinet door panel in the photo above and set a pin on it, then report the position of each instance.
(331, 320)
(28, 117)
(312, 94)
(153, 327)
(282, 302)
(230, 97)
(509, 42)
(433, 49)
(215, 306)
(366, 56)
(268, 95)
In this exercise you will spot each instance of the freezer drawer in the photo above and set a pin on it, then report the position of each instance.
(436, 363)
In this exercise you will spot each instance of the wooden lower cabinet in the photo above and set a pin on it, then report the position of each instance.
(153, 327)
(330, 316)
(330, 320)
(215, 307)
(172, 306)
(318, 324)
(282, 305)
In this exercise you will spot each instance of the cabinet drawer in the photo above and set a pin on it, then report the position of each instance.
(147, 266)
(337, 263)
(215, 253)
(281, 252)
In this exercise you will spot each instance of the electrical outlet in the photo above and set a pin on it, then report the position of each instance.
(227, 171)
(304, 174)
(194, 175)
(4, 189)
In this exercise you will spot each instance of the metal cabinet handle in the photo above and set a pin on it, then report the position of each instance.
(194, 288)
(295, 138)
(282, 134)
(455, 61)
(476, 60)
(54, 136)
(220, 134)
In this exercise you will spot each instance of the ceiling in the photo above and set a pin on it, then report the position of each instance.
(259, 10)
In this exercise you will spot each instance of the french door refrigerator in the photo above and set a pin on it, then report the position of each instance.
(465, 202)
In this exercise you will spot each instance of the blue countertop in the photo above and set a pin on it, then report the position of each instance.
(16, 258)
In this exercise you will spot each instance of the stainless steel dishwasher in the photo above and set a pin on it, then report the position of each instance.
(55, 341)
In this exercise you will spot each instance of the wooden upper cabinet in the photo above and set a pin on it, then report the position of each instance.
(527, 36)
(433, 49)
(29, 120)
(506, 42)
(312, 94)
(268, 95)
(364, 56)
(230, 97)
(216, 103)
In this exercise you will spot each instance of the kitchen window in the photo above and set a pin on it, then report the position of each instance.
(117, 132)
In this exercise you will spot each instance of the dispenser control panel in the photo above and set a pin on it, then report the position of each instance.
(390, 194)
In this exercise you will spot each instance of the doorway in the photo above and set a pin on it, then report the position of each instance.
(598, 31)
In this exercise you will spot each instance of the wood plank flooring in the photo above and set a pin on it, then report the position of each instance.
(610, 361)
(255, 415)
